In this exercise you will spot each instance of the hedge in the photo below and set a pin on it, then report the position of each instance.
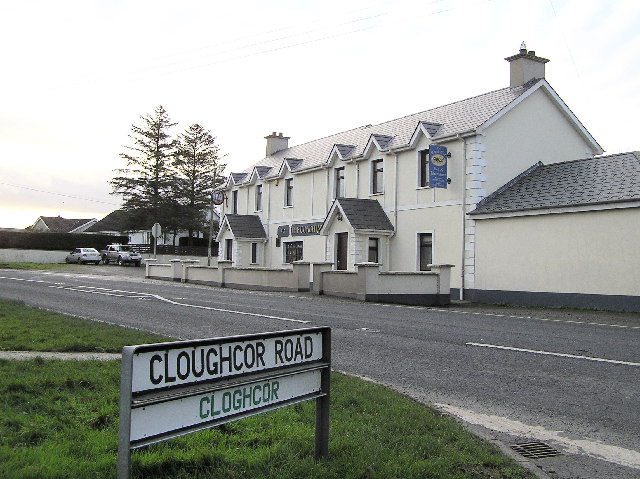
(57, 241)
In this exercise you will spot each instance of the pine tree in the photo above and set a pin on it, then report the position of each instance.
(146, 183)
(198, 164)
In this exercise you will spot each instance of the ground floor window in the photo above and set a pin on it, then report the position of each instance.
(228, 249)
(425, 245)
(293, 251)
(254, 253)
(373, 250)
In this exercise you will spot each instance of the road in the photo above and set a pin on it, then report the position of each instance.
(570, 379)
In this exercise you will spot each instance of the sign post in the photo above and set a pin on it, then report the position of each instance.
(155, 231)
(172, 389)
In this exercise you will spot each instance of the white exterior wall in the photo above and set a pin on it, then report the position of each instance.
(535, 130)
(589, 253)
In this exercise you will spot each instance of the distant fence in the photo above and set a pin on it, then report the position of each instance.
(167, 249)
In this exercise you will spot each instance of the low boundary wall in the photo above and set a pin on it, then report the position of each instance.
(366, 283)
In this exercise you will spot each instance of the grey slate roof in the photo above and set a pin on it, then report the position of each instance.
(246, 226)
(263, 171)
(443, 121)
(600, 180)
(383, 140)
(239, 177)
(365, 214)
(112, 222)
(432, 128)
(58, 224)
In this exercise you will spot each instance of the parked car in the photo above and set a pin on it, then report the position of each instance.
(120, 254)
(84, 255)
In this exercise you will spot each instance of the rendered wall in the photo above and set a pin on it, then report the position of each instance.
(536, 130)
(586, 253)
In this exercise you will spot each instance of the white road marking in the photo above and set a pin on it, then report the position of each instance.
(549, 353)
(597, 449)
(210, 308)
(512, 316)
(138, 295)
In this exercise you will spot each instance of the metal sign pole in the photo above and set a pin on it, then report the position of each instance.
(123, 466)
(322, 405)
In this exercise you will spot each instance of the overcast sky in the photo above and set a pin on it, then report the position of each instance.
(77, 74)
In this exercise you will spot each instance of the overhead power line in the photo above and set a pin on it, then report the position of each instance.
(59, 194)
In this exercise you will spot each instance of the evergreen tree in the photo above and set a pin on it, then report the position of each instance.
(147, 181)
(198, 164)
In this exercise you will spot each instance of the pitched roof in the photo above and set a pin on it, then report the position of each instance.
(592, 181)
(246, 226)
(58, 224)
(443, 121)
(112, 222)
(365, 214)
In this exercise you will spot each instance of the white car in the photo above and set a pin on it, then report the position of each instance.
(83, 255)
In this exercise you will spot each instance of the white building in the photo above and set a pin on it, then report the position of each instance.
(364, 195)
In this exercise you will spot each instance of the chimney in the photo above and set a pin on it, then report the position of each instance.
(525, 66)
(276, 142)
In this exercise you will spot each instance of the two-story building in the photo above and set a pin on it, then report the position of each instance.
(399, 193)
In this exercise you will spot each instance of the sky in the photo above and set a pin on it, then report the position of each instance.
(76, 75)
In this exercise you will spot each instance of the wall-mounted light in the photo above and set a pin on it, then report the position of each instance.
(339, 216)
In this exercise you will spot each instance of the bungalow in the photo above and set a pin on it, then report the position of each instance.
(58, 224)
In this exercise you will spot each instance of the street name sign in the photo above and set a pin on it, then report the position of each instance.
(172, 389)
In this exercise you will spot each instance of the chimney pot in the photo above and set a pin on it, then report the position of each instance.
(525, 66)
(276, 142)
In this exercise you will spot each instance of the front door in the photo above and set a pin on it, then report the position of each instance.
(342, 246)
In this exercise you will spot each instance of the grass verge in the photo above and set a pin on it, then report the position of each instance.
(32, 265)
(60, 419)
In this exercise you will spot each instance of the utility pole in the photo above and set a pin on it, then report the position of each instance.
(215, 174)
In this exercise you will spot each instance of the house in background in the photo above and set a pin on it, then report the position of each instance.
(112, 224)
(58, 224)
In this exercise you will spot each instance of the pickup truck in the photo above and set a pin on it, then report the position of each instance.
(120, 254)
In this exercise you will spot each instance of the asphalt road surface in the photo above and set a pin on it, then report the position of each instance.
(569, 379)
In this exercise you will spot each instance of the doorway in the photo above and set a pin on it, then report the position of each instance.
(342, 247)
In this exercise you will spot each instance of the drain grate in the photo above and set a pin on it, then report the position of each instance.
(535, 450)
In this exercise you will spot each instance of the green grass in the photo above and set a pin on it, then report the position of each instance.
(33, 329)
(60, 420)
(33, 265)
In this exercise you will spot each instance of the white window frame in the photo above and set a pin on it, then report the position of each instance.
(419, 184)
(336, 170)
(288, 181)
(378, 247)
(258, 207)
(372, 181)
(433, 249)
(234, 202)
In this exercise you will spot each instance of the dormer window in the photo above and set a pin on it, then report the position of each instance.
(288, 192)
(377, 177)
(258, 201)
(339, 190)
(424, 168)
(234, 202)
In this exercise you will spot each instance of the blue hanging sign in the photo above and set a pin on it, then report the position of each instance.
(437, 166)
